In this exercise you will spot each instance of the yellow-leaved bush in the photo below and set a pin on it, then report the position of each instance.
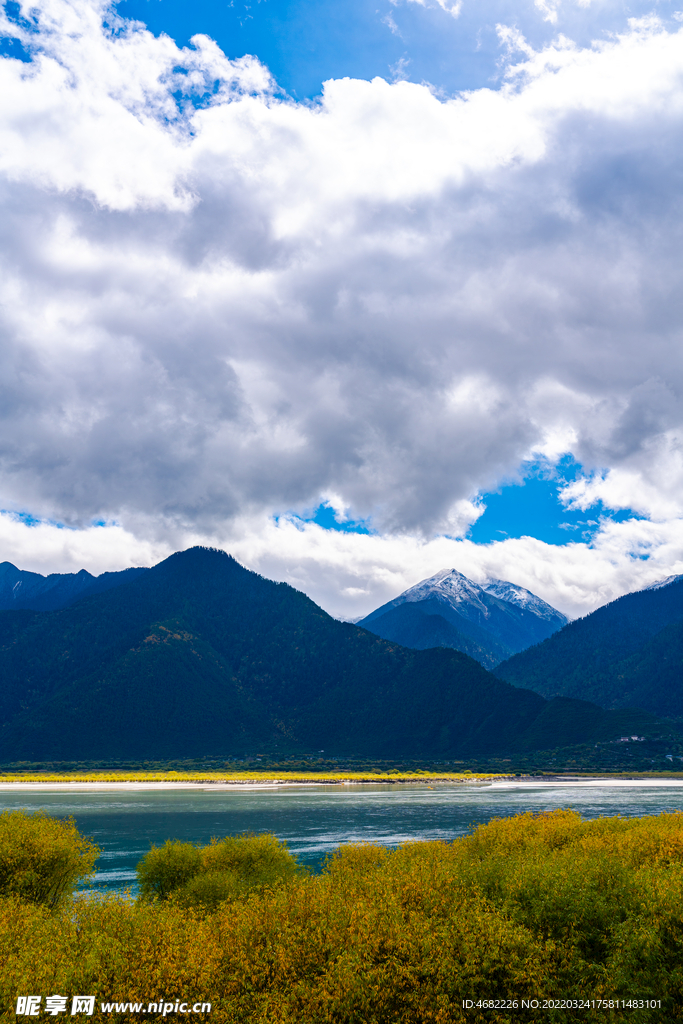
(204, 877)
(42, 858)
(531, 907)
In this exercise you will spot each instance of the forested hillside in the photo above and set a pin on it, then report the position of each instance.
(22, 589)
(200, 656)
(422, 625)
(629, 653)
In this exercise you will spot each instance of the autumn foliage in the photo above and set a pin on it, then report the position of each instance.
(536, 906)
(42, 859)
(205, 877)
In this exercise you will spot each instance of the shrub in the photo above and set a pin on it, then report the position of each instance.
(42, 858)
(539, 905)
(204, 877)
(165, 868)
(207, 890)
(257, 859)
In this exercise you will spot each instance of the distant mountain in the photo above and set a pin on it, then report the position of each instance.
(629, 653)
(663, 583)
(22, 589)
(199, 656)
(489, 622)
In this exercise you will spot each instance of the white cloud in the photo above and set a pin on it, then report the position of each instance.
(350, 574)
(388, 20)
(399, 70)
(452, 7)
(550, 9)
(46, 547)
(650, 482)
(231, 305)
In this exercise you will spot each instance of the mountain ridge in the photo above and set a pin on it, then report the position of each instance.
(22, 589)
(622, 654)
(198, 655)
(488, 621)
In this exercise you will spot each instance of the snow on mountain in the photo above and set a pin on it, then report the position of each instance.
(489, 622)
(513, 594)
(455, 588)
(664, 583)
(449, 585)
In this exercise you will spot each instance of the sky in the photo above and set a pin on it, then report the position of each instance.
(355, 291)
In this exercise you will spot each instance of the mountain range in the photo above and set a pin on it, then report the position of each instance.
(629, 653)
(22, 589)
(199, 656)
(489, 621)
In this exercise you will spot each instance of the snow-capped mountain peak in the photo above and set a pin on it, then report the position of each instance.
(455, 588)
(449, 585)
(489, 621)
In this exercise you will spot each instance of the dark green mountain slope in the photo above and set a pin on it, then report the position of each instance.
(22, 589)
(421, 625)
(628, 653)
(653, 677)
(199, 656)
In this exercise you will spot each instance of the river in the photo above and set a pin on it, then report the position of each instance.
(125, 820)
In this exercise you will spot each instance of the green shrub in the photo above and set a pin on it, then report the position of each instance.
(207, 890)
(165, 868)
(42, 858)
(226, 869)
(258, 859)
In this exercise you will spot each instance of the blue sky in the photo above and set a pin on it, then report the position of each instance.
(530, 506)
(306, 42)
(534, 508)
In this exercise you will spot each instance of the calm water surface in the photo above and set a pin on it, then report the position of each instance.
(314, 820)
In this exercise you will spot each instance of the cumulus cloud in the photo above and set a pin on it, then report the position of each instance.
(46, 547)
(350, 574)
(217, 304)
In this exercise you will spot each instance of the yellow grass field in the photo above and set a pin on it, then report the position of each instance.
(263, 776)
